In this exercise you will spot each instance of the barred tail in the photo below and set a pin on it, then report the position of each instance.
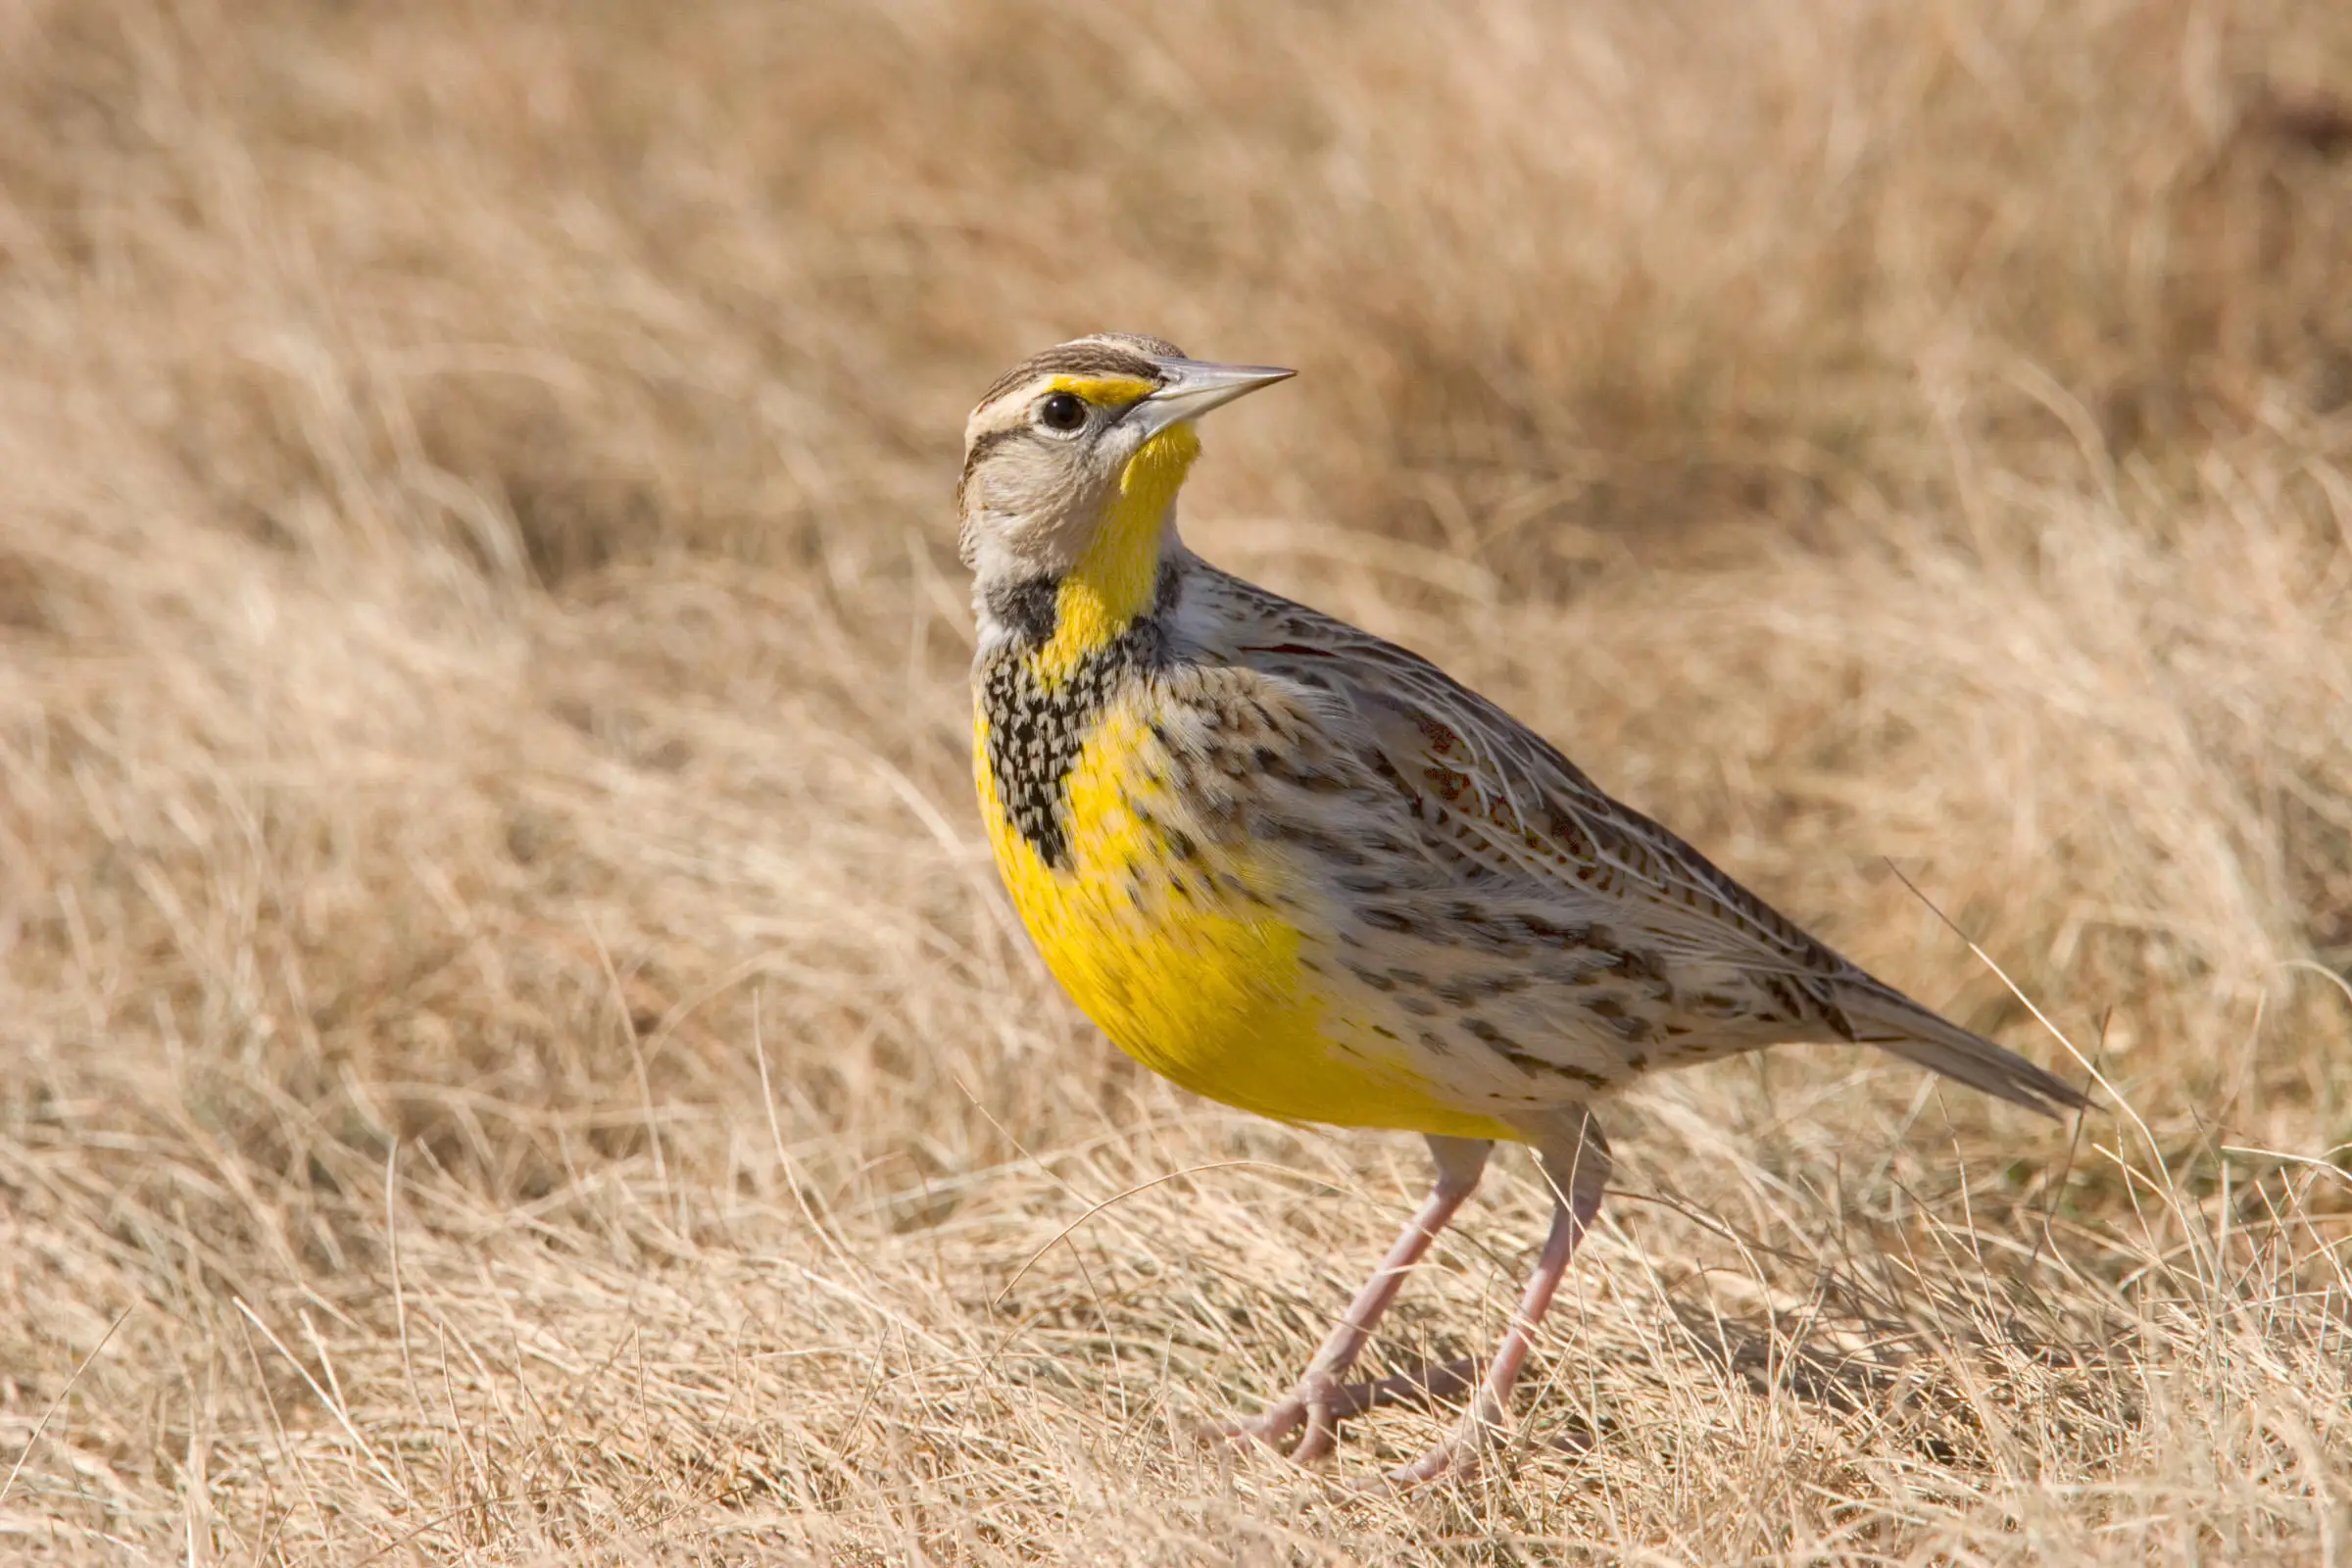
(1892, 1021)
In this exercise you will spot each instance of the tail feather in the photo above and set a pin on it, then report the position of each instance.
(1892, 1021)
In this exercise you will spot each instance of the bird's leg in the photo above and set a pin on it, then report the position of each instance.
(1577, 1164)
(1318, 1401)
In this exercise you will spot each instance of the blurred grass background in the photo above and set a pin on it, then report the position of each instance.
(506, 1007)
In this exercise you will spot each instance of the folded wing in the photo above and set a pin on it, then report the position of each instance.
(1502, 808)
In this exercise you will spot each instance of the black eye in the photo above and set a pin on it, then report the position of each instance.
(1062, 411)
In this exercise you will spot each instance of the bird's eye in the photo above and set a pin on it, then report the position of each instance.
(1062, 411)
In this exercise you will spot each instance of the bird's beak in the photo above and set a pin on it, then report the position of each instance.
(1197, 386)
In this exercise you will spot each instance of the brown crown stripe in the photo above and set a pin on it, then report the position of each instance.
(1123, 356)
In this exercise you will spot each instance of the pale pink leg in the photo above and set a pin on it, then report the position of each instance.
(1578, 1165)
(1318, 1401)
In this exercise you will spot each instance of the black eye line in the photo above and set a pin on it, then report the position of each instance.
(1122, 413)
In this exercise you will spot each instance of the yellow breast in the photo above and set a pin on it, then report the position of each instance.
(1192, 963)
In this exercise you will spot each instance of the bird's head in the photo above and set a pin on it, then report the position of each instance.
(1072, 461)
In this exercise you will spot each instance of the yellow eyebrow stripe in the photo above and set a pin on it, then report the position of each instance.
(1105, 390)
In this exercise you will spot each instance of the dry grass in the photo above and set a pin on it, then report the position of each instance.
(503, 1006)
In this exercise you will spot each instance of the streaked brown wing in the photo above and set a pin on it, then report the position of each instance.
(1498, 801)
(1484, 784)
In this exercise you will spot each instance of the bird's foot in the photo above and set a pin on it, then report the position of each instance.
(1309, 1406)
(1479, 1435)
(1459, 1453)
(1319, 1404)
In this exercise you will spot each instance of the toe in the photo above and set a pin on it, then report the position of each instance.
(1322, 1436)
(1269, 1429)
(1457, 1457)
(1431, 1466)
(1465, 1447)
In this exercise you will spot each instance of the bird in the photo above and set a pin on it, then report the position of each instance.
(1300, 871)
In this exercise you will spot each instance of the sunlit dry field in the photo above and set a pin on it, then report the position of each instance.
(511, 1047)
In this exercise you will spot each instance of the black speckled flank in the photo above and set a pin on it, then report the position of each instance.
(1036, 731)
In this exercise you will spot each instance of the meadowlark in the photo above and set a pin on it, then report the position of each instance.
(1298, 869)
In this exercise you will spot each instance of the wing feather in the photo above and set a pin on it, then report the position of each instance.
(1499, 795)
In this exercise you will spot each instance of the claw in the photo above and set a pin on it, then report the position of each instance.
(1462, 1451)
(1436, 1462)
(1322, 1437)
(1319, 1407)
(1308, 1407)
(1465, 1448)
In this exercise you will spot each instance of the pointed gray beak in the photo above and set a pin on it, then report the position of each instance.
(1197, 386)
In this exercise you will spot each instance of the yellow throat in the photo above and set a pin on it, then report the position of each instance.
(1117, 574)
